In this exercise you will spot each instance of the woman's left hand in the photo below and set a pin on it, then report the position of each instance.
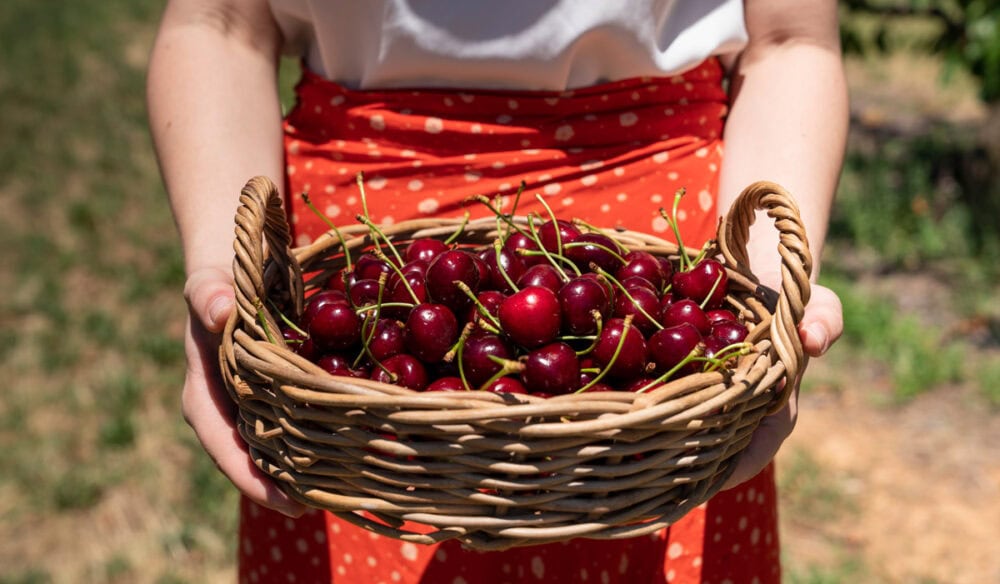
(821, 326)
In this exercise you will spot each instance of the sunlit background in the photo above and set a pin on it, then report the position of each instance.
(893, 474)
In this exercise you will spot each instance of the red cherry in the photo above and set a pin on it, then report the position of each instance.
(369, 267)
(552, 369)
(547, 234)
(388, 338)
(592, 248)
(424, 250)
(687, 311)
(578, 299)
(643, 264)
(446, 269)
(642, 299)
(670, 346)
(521, 241)
(721, 314)
(507, 385)
(698, 282)
(335, 327)
(544, 275)
(450, 383)
(477, 365)
(335, 364)
(631, 360)
(729, 331)
(531, 316)
(431, 330)
(403, 370)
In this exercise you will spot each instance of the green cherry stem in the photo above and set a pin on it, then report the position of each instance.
(288, 322)
(555, 223)
(333, 227)
(458, 232)
(263, 321)
(377, 233)
(541, 249)
(708, 297)
(622, 289)
(493, 325)
(614, 357)
(399, 274)
(599, 321)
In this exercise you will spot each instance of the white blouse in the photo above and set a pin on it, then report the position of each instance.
(505, 44)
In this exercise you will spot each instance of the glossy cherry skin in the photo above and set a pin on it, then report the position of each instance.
(670, 346)
(365, 292)
(403, 370)
(551, 241)
(476, 352)
(509, 263)
(507, 385)
(450, 383)
(425, 249)
(578, 298)
(688, 311)
(447, 268)
(643, 264)
(369, 267)
(721, 314)
(431, 330)
(544, 275)
(729, 331)
(697, 283)
(388, 338)
(335, 327)
(517, 241)
(553, 369)
(592, 249)
(531, 316)
(488, 299)
(631, 361)
(317, 301)
(641, 298)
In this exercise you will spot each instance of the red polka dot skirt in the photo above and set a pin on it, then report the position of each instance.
(612, 154)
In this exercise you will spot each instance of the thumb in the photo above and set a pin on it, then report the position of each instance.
(209, 294)
(823, 321)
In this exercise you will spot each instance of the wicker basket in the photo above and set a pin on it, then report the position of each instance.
(490, 470)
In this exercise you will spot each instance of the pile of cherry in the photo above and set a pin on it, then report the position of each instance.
(552, 307)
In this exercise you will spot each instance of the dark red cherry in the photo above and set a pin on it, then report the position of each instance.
(336, 364)
(341, 281)
(335, 327)
(425, 250)
(553, 369)
(670, 346)
(477, 365)
(450, 383)
(597, 249)
(544, 275)
(388, 338)
(531, 316)
(698, 282)
(404, 370)
(488, 299)
(729, 331)
(688, 311)
(643, 264)
(365, 292)
(631, 360)
(644, 306)
(369, 267)
(431, 330)
(578, 299)
(639, 282)
(551, 241)
(517, 241)
(721, 314)
(509, 263)
(447, 268)
(507, 385)
(317, 301)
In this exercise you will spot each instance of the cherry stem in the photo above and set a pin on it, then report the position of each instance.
(332, 226)
(366, 341)
(600, 327)
(479, 305)
(543, 251)
(288, 322)
(378, 233)
(458, 232)
(727, 353)
(500, 215)
(695, 354)
(620, 287)
(497, 246)
(456, 349)
(508, 366)
(263, 321)
(399, 273)
(715, 286)
(614, 253)
(614, 357)
(672, 222)
(555, 223)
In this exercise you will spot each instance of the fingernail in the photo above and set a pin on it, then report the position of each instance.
(219, 309)
(817, 333)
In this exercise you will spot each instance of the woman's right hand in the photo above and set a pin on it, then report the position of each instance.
(205, 403)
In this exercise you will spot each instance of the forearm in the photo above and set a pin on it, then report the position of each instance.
(215, 119)
(788, 124)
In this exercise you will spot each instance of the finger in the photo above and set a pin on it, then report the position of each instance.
(211, 414)
(209, 293)
(822, 323)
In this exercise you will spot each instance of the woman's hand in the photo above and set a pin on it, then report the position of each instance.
(821, 326)
(205, 402)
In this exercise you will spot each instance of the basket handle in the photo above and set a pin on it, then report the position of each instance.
(796, 268)
(260, 218)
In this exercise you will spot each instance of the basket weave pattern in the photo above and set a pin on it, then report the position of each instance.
(491, 470)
